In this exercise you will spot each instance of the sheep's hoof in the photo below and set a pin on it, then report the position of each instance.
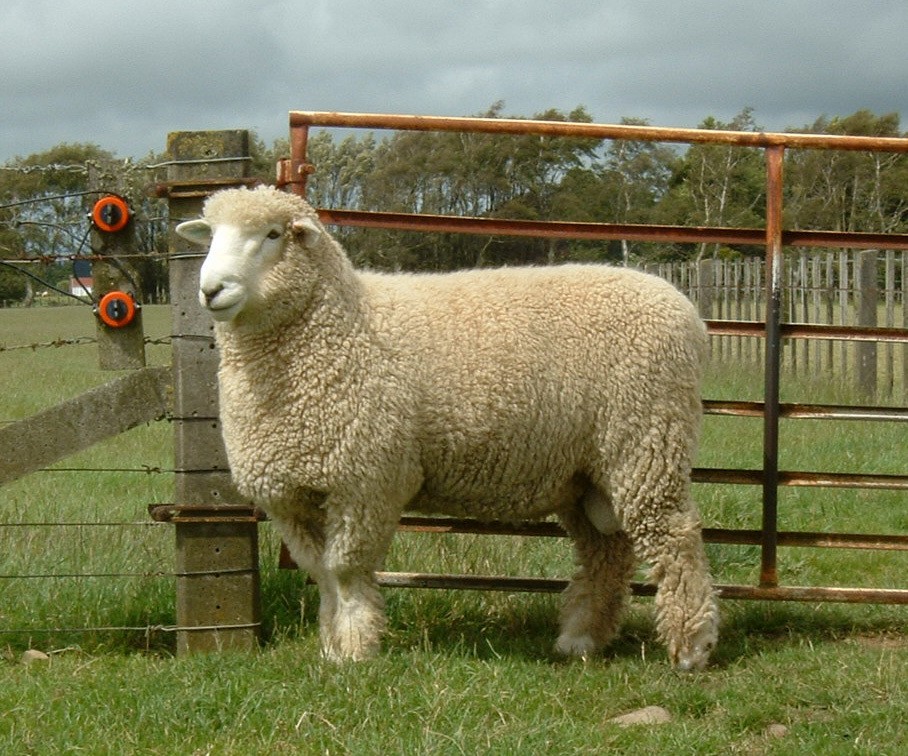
(692, 663)
(337, 657)
(579, 646)
(344, 652)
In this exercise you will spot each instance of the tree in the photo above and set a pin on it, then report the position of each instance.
(719, 184)
(636, 176)
(849, 191)
(12, 286)
(45, 200)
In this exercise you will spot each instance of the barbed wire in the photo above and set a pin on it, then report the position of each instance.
(125, 166)
(49, 285)
(122, 166)
(84, 524)
(80, 340)
(130, 628)
(50, 168)
(55, 343)
(52, 259)
(49, 197)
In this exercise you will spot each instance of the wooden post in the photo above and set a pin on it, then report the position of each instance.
(123, 347)
(705, 295)
(866, 295)
(216, 532)
(903, 266)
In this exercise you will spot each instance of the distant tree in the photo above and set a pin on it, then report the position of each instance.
(13, 286)
(718, 184)
(636, 176)
(45, 200)
(849, 191)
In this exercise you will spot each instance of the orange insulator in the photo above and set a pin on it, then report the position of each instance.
(117, 309)
(110, 214)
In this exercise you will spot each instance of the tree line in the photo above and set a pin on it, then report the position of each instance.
(43, 200)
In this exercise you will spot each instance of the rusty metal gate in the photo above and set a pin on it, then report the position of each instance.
(293, 174)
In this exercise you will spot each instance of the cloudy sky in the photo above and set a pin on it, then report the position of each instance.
(123, 74)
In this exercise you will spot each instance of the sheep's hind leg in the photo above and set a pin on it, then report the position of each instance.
(665, 530)
(595, 600)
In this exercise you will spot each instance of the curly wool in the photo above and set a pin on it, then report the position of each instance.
(255, 208)
(348, 397)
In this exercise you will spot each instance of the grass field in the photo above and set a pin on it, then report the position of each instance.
(461, 672)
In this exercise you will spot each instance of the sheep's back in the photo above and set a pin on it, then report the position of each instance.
(537, 359)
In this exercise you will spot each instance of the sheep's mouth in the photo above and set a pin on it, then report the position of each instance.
(224, 305)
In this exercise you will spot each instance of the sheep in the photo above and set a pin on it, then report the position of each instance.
(348, 397)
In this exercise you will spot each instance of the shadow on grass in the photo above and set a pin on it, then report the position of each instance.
(524, 626)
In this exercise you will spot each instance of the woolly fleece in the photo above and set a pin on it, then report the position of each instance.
(348, 397)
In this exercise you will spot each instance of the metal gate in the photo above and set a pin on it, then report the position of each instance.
(293, 174)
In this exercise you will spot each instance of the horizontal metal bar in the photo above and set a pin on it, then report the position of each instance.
(845, 333)
(736, 328)
(807, 331)
(300, 118)
(469, 582)
(545, 585)
(839, 412)
(818, 594)
(801, 478)
(602, 231)
(806, 411)
(204, 513)
(419, 524)
(548, 529)
(806, 539)
(196, 188)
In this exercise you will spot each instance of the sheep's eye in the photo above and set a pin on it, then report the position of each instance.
(274, 234)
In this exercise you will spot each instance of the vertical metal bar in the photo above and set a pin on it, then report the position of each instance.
(768, 570)
(300, 168)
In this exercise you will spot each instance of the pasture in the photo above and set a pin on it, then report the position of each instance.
(462, 672)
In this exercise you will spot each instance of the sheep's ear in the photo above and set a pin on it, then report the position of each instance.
(307, 230)
(197, 231)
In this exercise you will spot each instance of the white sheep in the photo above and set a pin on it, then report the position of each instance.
(348, 397)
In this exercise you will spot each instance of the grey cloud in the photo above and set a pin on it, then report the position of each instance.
(125, 74)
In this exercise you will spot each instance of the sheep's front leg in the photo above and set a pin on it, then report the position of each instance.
(352, 615)
(687, 616)
(356, 543)
(302, 528)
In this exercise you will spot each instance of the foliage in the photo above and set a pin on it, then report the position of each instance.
(542, 178)
(499, 176)
(45, 201)
(849, 191)
(12, 286)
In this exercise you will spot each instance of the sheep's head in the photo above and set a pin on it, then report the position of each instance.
(247, 233)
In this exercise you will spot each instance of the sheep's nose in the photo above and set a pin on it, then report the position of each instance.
(208, 293)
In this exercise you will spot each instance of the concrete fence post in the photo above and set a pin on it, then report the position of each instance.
(122, 346)
(218, 602)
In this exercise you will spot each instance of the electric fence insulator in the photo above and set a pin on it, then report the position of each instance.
(110, 214)
(117, 309)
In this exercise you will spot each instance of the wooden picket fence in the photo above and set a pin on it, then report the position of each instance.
(841, 287)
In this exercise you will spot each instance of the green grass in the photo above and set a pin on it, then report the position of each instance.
(462, 672)
(836, 693)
